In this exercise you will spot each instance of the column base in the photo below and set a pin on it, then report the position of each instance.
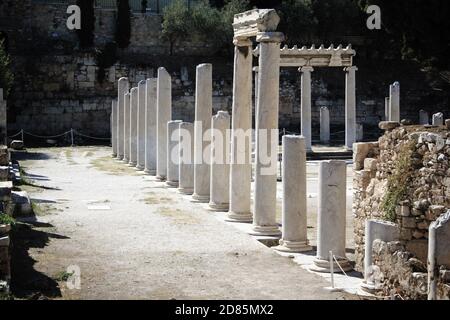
(323, 266)
(161, 177)
(368, 287)
(293, 246)
(172, 184)
(119, 157)
(150, 172)
(132, 164)
(114, 155)
(140, 168)
(200, 199)
(125, 160)
(239, 217)
(224, 207)
(273, 231)
(187, 191)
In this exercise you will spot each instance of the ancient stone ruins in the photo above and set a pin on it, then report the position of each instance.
(401, 186)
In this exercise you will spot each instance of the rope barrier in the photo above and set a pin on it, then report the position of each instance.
(46, 137)
(72, 133)
(90, 137)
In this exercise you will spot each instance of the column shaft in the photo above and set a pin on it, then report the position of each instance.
(241, 140)
(133, 126)
(202, 125)
(394, 102)
(306, 105)
(186, 176)
(220, 162)
(114, 124)
(324, 125)
(173, 153)
(164, 115)
(264, 219)
(126, 127)
(350, 107)
(294, 219)
(150, 127)
(123, 87)
(141, 121)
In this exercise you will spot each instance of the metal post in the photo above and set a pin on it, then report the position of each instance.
(71, 137)
(22, 136)
(332, 269)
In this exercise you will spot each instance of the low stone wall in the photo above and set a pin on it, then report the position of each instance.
(403, 178)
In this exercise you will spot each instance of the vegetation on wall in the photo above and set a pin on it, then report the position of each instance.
(6, 75)
(86, 33)
(397, 183)
(123, 24)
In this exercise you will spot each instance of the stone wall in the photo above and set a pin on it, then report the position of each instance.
(404, 178)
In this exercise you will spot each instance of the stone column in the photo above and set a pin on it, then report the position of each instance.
(186, 175)
(374, 229)
(386, 108)
(220, 162)
(394, 102)
(324, 125)
(164, 115)
(423, 117)
(203, 115)
(133, 126)
(438, 119)
(294, 222)
(173, 153)
(114, 124)
(264, 219)
(141, 121)
(126, 127)
(306, 105)
(150, 127)
(350, 107)
(331, 221)
(256, 70)
(123, 87)
(241, 140)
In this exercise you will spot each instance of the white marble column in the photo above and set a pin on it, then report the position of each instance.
(203, 115)
(331, 220)
(438, 119)
(386, 108)
(423, 117)
(241, 140)
(294, 220)
(220, 162)
(141, 122)
(173, 153)
(164, 115)
(126, 127)
(114, 123)
(123, 88)
(186, 175)
(150, 126)
(394, 102)
(256, 83)
(133, 126)
(264, 218)
(350, 106)
(306, 105)
(324, 125)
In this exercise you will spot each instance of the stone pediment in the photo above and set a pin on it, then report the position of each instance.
(315, 57)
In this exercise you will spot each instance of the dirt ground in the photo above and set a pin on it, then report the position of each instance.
(133, 238)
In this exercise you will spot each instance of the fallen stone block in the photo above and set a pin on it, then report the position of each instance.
(17, 145)
(22, 202)
(4, 156)
(5, 190)
(388, 125)
(4, 173)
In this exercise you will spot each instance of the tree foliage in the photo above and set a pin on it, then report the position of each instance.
(86, 33)
(6, 75)
(123, 24)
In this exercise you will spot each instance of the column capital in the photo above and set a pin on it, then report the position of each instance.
(276, 37)
(306, 69)
(242, 42)
(352, 68)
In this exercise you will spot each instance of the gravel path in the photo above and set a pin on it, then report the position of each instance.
(132, 238)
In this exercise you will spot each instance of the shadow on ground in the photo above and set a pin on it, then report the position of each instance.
(27, 282)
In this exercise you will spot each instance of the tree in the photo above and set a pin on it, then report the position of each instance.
(176, 23)
(143, 6)
(6, 76)
(123, 24)
(86, 33)
(297, 21)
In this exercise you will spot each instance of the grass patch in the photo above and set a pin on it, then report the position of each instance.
(178, 216)
(6, 219)
(111, 166)
(44, 209)
(398, 182)
(153, 198)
